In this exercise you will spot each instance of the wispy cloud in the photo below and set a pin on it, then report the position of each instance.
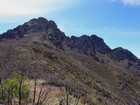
(128, 2)
(32, 7)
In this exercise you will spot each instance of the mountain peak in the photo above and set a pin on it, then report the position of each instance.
(42, 22)
(120, 53)
(38, 21)
(99, 44)
(88, 44)
(33, 26)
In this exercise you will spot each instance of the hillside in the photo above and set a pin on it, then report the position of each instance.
(107, 76)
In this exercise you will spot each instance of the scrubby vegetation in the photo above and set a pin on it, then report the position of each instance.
(18, 89)
(13, 89)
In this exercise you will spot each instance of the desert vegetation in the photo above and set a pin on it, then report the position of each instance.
(22, 89)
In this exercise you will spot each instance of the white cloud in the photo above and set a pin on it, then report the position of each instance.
(32, 7)
(19, 11)
(128, 2)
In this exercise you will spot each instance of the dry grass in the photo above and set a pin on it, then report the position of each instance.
(55, 93)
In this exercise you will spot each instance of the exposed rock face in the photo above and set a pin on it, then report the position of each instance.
(99, 44)
(33, 26)
(122, 54)
(54, 35)
(81, 44)
(36, 26)
(88, 44)
(85, 44)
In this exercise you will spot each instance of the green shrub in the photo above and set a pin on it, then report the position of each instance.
(11, 88)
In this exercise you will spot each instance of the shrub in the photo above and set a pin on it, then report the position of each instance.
(10, 89)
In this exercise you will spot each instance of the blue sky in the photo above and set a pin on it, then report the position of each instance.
(116, 21)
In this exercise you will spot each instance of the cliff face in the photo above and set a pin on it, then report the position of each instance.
(87, 44)
(121, 54)
(110, 77)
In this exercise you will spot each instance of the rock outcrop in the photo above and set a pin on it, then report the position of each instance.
(122, 54)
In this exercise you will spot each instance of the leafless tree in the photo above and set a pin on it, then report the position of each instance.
(35, 75)
(46, 88)
(22, 71)
(72, 89)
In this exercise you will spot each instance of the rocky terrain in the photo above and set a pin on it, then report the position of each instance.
(108, 76)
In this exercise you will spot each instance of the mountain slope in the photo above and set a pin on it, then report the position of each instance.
(110, 77)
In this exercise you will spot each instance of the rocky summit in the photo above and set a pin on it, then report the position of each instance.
(107, 76)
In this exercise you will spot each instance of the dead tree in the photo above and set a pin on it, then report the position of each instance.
(21, 76)
(73, 90)
(46, 88)
(35, 75)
